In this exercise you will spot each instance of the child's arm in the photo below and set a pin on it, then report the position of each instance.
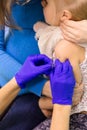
(67, 50)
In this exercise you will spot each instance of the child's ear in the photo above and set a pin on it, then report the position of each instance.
(65, 15)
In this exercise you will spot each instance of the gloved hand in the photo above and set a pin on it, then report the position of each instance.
(33, 66)
(62, 83)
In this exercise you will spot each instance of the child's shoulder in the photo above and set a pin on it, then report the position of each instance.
(66, 50)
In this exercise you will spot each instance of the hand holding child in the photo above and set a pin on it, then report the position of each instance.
(75, 31)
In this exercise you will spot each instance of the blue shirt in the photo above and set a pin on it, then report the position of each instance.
(20, 44)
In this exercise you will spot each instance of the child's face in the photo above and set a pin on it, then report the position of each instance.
(50, 12)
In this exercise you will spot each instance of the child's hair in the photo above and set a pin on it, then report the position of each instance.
(78, 8)
(5, 14)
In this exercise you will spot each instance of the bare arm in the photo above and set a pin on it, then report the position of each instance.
(67, 50)
(62, 86)
(46, 89)
(45, 102)
(60, 117)
(8, 94)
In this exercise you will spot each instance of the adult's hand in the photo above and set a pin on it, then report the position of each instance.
(33, 66)
(62, 83)
(75, 31)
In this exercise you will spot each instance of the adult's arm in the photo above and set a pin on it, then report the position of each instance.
(75, 31)
(62, 85)
(10, 66)
(7, 94)
(28, 72)
(60, 117)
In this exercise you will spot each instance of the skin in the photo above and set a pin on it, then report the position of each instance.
(63, 112)
(7, 94)
(49, 12)
(78, 90)
(74, 31)
(54, 18)
(11, 89)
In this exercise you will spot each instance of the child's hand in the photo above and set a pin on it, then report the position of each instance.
(46, 90)
(45, 102)
(46, 106)
(78, 93)
(39, 25)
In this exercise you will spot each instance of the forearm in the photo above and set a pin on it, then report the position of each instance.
(60, 117)
(8, 94)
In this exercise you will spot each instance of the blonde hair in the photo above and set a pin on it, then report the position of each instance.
(5, 14)
(78, 8)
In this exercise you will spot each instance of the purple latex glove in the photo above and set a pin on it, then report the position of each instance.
(62, 83)
(33, 66)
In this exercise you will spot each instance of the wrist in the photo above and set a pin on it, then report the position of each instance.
(62, 108)
(14, 83)
(63, 112)
(19, 81)
(62, 101)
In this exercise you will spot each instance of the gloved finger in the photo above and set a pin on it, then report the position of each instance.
(58, 67)
(41, 60)
(66, 65)
(44, 58)
(52, 74)
(44, 62)
(44, 69)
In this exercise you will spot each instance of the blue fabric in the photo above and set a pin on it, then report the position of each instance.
(24, 114)
(20, 44)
